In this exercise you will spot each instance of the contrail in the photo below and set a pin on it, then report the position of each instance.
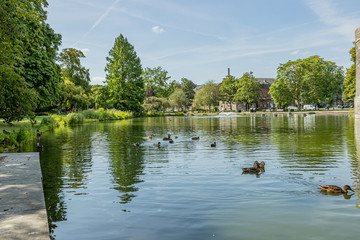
(97, 21)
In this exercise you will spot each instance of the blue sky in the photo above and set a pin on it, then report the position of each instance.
(200, 39)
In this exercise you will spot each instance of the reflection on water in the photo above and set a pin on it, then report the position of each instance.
(99, 185)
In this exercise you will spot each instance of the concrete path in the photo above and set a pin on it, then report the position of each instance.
(22, 206)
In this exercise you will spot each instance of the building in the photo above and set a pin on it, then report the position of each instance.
(265, 101)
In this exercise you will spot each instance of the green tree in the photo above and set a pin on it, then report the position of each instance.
(157, 79)
(27, 59)
(155, 104)
(310, 80)
(72, 68)
(97, 96)
(228, 90)
(208, 95)
(350, 79)
(188, 87)
(281, 94)
(72, 97)
(178, 99)
(248, 89)
(124, 83)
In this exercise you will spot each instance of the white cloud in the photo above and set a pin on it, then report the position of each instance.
(295, 52)
(157, 30)
(97, 80)
(85, 50)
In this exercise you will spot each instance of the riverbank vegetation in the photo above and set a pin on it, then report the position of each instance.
(36, 78)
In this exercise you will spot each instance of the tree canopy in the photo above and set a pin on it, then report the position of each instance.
(123, 77)
(228, 90)
(29, 75)
(309, 81)
(247, 89)
(350, 79)
(72, 68)
(208, 95)
(157, 79)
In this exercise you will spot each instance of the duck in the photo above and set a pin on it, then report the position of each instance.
(213, 144)
(176, 137)
(335, 189)
(38, 133)
(6, 132)
(157, 144)
(195, 138)
(137, 144)
(260, 165)
(254, 169)
(171, 141)
(150, 137)
(39, 146)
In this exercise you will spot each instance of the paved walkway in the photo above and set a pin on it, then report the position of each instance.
(22, 205)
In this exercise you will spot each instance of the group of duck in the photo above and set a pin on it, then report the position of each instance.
(168, 138)
(259, 167)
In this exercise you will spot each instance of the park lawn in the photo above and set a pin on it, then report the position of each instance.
(17, 125)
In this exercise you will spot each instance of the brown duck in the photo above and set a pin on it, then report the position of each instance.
(195, 138)
(254, 169)
(335, 189)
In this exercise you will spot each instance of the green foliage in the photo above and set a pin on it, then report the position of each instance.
(228, 89)
(49, 122)
(125, 85)
(208, 95)
(350, 79)
(178, 99)
(247, 89)
(188, 87)
(25, 134)
(72, 68)
(28, 72)
(157, 79)
(155, 104)
(97, 96)
(308, 80)
(102, 115)
(72, 97)
(75, 118)
(281, 94)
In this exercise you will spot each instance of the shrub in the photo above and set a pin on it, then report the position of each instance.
(24, 134)
(75, 118)
(90, 114)
(49, 123)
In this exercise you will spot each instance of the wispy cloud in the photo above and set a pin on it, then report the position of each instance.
(98, 21)
(329, 13)
(98, 80)
(157, 30)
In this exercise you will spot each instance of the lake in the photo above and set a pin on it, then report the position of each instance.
(99, 185)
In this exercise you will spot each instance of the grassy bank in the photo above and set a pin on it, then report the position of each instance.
(23, 132)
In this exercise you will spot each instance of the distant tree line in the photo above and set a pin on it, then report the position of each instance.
(35, 77)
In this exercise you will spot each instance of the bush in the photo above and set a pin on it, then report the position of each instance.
(90, 114)
(75, 118)
(25, 133)
(49, 123)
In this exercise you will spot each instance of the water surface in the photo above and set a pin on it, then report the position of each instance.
(99, 185)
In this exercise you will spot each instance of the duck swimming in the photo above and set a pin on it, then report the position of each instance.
(335, 189)
(157, 144)
(195, 138)
(254, 169)
(213, 144)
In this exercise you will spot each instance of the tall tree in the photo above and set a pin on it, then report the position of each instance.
(157, 79)
(208, 95)
(72, 68)
(27, 58)
(310, 80)
(281, 94)
(248, 89)
(228, 90)
(188, 87)
(123, 77)
(350, 79)
(178, 99)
